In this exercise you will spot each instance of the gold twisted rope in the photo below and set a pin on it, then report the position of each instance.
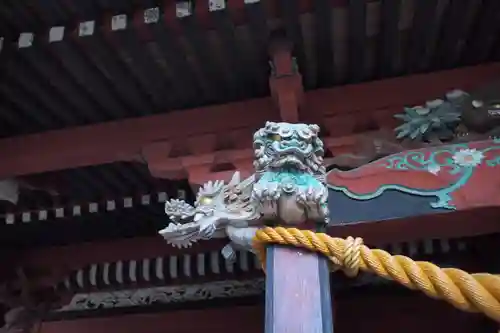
(467, 292)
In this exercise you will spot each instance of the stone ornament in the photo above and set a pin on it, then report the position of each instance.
(288, 186)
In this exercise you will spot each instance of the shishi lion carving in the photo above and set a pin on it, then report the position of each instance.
(289, 186)
(289, 172)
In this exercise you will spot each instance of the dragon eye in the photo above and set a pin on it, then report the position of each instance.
(275, 137)
(205, 200)
(477, 104)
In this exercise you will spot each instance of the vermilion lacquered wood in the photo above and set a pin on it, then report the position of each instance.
(384, 311)
(338, 109)
(242, 319)
(481, 189)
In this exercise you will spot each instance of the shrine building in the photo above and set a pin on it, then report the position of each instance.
(111, 109)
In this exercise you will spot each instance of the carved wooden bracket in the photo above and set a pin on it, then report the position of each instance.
(163, 161)
(285, 81)
(218, 156)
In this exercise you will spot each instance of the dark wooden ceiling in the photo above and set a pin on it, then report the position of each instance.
(67, 63)
(58, 71)
(113, 201)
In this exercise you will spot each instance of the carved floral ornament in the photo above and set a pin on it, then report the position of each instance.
(433, 121)
(456, 116)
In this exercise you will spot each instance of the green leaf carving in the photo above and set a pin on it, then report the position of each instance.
(437, 119)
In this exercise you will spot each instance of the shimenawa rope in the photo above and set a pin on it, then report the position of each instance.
(468, 292)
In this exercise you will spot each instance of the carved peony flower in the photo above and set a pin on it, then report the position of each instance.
(468, 157)
(434, 169)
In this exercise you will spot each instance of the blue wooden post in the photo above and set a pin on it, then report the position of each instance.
(297, 292)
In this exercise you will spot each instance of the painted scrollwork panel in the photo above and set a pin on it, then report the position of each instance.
(458, 176)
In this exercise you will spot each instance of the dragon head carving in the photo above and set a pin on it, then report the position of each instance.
(289, 146)
(216, 205)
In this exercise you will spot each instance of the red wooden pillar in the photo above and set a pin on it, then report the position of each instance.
(297, 281)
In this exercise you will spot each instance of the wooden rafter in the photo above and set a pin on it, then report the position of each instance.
(63, 259)
(191, 137)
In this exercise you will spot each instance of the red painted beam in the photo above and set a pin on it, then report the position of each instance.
(218, 128)
(359, 311)
(246, 319)
(125, 140)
